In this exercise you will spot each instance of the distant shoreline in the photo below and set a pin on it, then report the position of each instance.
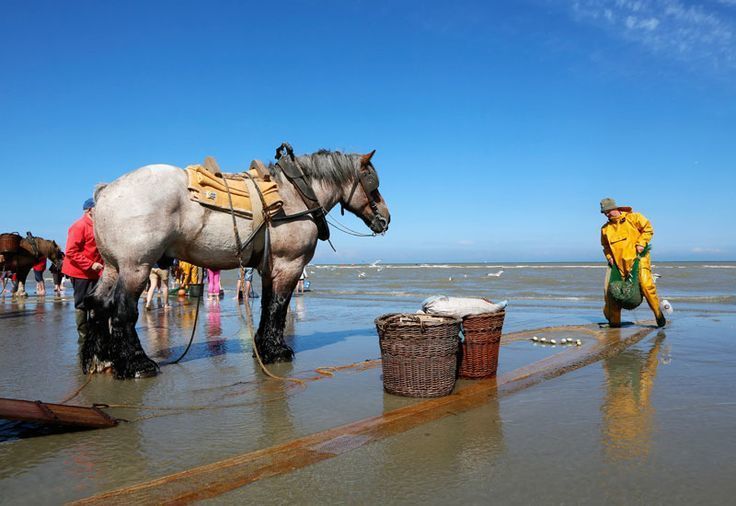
(517, 264)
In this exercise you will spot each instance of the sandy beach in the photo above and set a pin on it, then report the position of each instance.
(613, 430)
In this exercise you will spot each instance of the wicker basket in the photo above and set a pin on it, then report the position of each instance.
(419, 353)
(9, 243)
(479, 349)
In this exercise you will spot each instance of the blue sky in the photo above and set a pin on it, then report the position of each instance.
(498, 125)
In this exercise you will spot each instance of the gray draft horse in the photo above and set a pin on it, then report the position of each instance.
(147, 214)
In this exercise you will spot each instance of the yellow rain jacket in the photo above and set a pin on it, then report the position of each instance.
(619, 237)
(187, 274)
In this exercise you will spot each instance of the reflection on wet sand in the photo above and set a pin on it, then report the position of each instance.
(157, 331)
(213, 330)
(271, 397)
(39, 311)
(272, 404)
(214, 320)
(628, 415)
(300, 308)
(466, 442)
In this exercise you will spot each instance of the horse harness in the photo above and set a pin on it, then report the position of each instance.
(32, 241)
(302, 181)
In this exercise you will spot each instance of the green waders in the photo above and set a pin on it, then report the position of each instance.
(82, 325)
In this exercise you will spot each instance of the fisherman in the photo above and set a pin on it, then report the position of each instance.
(82, 264)
(626, 235)
(187, 274)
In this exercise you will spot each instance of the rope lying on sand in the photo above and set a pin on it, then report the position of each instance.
(322, 373)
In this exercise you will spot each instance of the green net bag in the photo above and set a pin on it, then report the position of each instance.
(625, 290)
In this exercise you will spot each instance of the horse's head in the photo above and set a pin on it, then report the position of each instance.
(362, 198)
(55, 254)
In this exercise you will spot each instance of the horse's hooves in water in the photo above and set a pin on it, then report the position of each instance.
(273, 353)
(140, 366)
(284, 355)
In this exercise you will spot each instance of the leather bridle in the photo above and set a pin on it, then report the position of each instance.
(368, 179)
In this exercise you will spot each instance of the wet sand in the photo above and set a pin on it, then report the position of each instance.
(631, 428)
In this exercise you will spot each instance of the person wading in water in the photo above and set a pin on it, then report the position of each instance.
(82, 264)
(626, 235)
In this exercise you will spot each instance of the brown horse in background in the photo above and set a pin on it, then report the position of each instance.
(21, 261)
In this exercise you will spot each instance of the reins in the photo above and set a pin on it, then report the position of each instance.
(346, 230)
(194, 325)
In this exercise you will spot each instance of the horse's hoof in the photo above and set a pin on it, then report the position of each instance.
(150, 373)
(285, 355)
(95, 366)
(271, 354)
(140, 366)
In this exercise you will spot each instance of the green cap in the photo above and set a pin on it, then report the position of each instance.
(608, 204)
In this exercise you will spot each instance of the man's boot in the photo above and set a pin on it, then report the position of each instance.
(82, 325)
(661, 320)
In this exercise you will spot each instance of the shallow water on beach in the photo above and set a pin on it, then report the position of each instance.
(654, 424)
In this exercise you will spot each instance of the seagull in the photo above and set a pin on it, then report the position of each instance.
(375, 264)
(449, 279)
(495, 274)
(361, 274)
(656, 277)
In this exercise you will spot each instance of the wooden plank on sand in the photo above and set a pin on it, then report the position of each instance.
(55, 414)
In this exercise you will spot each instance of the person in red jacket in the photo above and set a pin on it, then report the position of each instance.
(38, 270)
(82, 264)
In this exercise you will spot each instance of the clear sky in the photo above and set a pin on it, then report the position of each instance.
(498, 125)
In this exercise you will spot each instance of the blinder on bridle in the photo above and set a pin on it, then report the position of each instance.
(368, 180)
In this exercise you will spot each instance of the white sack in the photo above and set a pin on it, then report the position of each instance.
(460, 307)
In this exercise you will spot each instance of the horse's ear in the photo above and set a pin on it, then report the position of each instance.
(367, 158)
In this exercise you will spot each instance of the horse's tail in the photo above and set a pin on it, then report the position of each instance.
(98, 190)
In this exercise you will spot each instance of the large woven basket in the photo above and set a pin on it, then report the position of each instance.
(9, 243)
(479, 349)
(419, 353)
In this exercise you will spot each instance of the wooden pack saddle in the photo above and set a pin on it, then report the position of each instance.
(206, 186)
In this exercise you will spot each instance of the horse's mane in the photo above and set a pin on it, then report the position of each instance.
(333, 166)
(98, 189)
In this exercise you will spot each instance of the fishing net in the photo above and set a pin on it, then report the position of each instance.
(625, 290)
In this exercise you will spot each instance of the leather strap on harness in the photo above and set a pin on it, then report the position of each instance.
(32, 241)
(259, 220)
(302, 180)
